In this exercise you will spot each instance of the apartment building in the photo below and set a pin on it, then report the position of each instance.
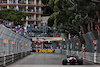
(32, 7)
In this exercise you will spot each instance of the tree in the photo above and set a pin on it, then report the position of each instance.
(47, 11)
(61, 20)
(51, 19)
(51, 3)
(12, 15)
(74, 15)
(45, 1)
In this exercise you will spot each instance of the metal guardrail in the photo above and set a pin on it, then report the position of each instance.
(10, 52)
(90, 53)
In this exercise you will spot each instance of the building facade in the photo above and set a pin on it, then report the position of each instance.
(32, 7)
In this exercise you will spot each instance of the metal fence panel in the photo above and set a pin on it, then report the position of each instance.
(88, 43)
(1, 47)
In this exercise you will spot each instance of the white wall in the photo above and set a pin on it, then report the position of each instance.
(45, 18)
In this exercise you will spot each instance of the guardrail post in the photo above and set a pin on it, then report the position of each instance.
(12, 53)
(95, 51)
(4, 55)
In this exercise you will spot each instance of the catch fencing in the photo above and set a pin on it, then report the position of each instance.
(89, 53)
(12, 46)
(71, 44)
(89, 37)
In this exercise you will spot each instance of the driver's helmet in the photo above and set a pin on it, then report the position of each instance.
(72, 54)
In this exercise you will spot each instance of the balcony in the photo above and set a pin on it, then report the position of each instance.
(38, 19)
(34, 13)
(3, 2)
(30, 2)
(12, 2)
(32, 19)
(31, 10)
(21, 2)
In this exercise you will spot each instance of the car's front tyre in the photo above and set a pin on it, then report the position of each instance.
(64, 62)
(80, 62)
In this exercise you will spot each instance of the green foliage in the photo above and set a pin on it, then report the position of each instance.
(51, 3)
(12, 15)
(45, 1)
(70, 14)
(51, 19)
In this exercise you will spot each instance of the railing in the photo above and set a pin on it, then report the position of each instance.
(31, 18)
(21, 2)
(12, 2)
(37, 10)
(22, 10)
(40, 3)
(40, 11)
(30, 2)
(31, 10)
(3, 1)
(38, 19)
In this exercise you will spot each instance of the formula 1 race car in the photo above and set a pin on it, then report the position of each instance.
(72, 60)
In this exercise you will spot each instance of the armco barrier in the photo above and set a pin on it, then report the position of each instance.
(98, 58)
(1, 61)
(11, 52)
(89, 56)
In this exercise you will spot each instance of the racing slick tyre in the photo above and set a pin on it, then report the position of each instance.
(64, 62)
(80, 62)
(72, 63)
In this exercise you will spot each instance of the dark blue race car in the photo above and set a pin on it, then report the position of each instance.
(72, 60)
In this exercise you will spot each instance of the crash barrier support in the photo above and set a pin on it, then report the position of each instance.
(12, 46)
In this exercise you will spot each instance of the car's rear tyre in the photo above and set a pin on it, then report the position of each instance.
(64, 62)
(80, 62)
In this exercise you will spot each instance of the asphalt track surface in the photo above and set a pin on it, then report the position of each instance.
(47, 60)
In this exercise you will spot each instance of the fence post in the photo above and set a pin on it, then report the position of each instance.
(22, 50)
(95, 51)
(13, 43)
(83, 50)
(4, 55)
(4, 52)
